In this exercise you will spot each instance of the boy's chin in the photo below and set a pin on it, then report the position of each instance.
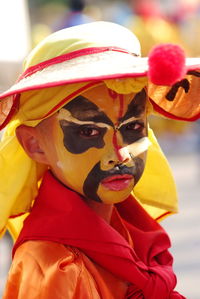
(115, 197)
(109, 196)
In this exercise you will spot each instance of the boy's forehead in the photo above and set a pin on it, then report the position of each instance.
(100, 101)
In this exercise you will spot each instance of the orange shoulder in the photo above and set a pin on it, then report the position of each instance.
(48, 270)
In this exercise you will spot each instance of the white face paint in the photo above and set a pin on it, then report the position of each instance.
(139, 147)
(64, 114)
(60, 165)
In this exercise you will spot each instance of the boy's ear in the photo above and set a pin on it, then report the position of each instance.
(30, 141)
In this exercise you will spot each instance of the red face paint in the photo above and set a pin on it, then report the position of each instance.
(112, 94)
(117, 147)
(121, 106)
(115, 141)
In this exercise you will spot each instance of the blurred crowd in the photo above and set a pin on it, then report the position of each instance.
(153, 21)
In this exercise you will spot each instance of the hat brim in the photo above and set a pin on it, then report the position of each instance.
(97, 64)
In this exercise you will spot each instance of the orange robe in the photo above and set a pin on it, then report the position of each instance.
(49, 270)
(65, 250)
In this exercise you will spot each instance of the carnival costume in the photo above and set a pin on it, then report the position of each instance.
(64, 65)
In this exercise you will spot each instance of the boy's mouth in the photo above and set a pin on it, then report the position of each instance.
(117, 182)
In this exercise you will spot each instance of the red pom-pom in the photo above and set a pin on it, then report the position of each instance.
(166, 64)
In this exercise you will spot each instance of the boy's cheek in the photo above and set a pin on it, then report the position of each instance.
(73, 169)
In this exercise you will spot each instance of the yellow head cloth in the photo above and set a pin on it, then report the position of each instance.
(21, 176)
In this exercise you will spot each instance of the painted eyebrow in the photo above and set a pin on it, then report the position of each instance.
(130, 120)
(136, 108)
(65, 115)
(82, 109)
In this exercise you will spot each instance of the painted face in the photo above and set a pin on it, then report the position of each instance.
(97, 143)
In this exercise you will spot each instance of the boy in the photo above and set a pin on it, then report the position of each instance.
(73, 157)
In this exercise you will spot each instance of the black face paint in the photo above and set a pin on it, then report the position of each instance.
(137, 106)
(96, 175)
(84, 110)
(130, 135)
(135, 109)
(75, 143)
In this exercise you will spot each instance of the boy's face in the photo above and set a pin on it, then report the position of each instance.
(90, 143)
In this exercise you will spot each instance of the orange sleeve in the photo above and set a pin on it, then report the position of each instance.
(46, 270)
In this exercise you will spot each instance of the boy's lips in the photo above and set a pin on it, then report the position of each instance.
(117, 182)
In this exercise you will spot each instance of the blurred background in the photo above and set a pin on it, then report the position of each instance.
(23, 23)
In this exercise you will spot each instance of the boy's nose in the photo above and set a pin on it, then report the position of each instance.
(116, 152)
(120, 156)
(115, 157)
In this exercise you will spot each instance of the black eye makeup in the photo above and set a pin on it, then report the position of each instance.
(135, 126)
(79, 138)
(133, 123)
(133, 131)
(89, 131)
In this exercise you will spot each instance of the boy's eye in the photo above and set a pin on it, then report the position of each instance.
(89, 132)
(135, 126)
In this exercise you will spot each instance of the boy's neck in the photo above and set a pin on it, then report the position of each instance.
(101, 209)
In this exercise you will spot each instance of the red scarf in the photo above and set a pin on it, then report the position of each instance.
(61, 215)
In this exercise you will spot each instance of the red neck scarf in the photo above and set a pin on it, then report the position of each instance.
(61, 215)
